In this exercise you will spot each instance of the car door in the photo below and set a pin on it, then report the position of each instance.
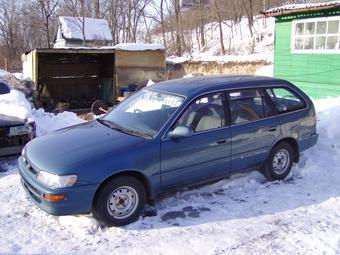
(253, 131)
(203, 155)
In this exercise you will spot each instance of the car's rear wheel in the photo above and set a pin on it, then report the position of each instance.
(120, 201)
(280, 162)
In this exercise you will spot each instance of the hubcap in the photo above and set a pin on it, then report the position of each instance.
(281, 161)
(122, 202)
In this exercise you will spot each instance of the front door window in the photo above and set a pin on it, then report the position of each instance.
(204, 113)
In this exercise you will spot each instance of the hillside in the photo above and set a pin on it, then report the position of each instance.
(240, 46)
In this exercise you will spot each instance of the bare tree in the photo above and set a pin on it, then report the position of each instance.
(47, 8)
(10, 31)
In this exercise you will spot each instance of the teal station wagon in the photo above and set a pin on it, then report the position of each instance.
(171, 135)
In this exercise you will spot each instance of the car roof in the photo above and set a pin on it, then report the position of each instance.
(191, 87)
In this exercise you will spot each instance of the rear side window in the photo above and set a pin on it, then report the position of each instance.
(285, 100)
(248, 105)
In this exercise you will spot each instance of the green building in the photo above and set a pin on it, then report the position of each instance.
(307, 46)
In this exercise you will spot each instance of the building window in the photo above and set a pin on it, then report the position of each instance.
(320, 35)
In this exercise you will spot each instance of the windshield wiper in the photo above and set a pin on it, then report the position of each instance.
(115, 126)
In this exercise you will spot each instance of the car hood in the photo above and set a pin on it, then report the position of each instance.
(9, 121)
(60, 152)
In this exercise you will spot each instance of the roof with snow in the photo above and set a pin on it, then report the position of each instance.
(300, 8)
(95, 29)
(138, 47)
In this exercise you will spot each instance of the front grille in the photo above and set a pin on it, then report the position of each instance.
(30, 188)
(4, 131)
(29, 166)
(10, 141)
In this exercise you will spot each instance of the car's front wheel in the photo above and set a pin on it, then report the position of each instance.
(280, 162)
(120, 201)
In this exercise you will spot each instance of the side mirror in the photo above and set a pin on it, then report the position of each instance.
(180, 131)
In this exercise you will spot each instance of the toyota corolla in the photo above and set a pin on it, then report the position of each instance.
(171, 135)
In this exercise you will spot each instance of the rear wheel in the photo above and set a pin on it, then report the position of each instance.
(120, 201)
(280, 162)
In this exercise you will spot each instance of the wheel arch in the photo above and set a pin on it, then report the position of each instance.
(133, 173)
(292, 142)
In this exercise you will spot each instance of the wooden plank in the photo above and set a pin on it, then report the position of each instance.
(70, 69)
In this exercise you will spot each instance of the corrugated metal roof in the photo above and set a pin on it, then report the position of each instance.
(300, 8)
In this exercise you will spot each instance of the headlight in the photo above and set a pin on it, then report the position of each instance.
(57, 181)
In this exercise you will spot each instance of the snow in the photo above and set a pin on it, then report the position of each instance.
(150, 82)
(240, 215)
(223, 59)
(19, 76)
(15, 104)
(265, 71)
(301, 6)
(138, 47)
(48, 122)
(95, 29)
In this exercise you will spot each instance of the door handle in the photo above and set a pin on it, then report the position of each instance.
(272, 129)
(221, 141)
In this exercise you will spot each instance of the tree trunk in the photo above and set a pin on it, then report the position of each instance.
(201, 6)
(218, 14)
(163, 23)
(178, 27)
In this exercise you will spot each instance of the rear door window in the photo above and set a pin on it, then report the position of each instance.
(285, 100)
(248, 105)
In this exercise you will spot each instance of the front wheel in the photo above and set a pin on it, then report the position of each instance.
(280, 162)
(120, 201)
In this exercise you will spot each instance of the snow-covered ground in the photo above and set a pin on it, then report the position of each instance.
(240, 215)
(240, 46)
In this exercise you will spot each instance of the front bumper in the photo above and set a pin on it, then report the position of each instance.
(78, 198)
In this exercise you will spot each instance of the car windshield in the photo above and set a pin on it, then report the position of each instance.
(144, 113)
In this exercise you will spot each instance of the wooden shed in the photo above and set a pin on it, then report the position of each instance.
(79, 76)
(307, 46)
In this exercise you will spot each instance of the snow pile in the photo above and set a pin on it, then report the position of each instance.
(15, 82)
(48, 122)
(138, 47)
(19, 76)
(95, 29)
(9, 78)
(15, 104)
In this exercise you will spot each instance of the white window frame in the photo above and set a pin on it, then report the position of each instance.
(315, 35)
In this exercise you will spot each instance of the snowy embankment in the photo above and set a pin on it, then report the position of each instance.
(240, 215)
(240, 45)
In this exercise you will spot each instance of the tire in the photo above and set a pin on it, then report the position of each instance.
(279, 162)
(120, 201)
